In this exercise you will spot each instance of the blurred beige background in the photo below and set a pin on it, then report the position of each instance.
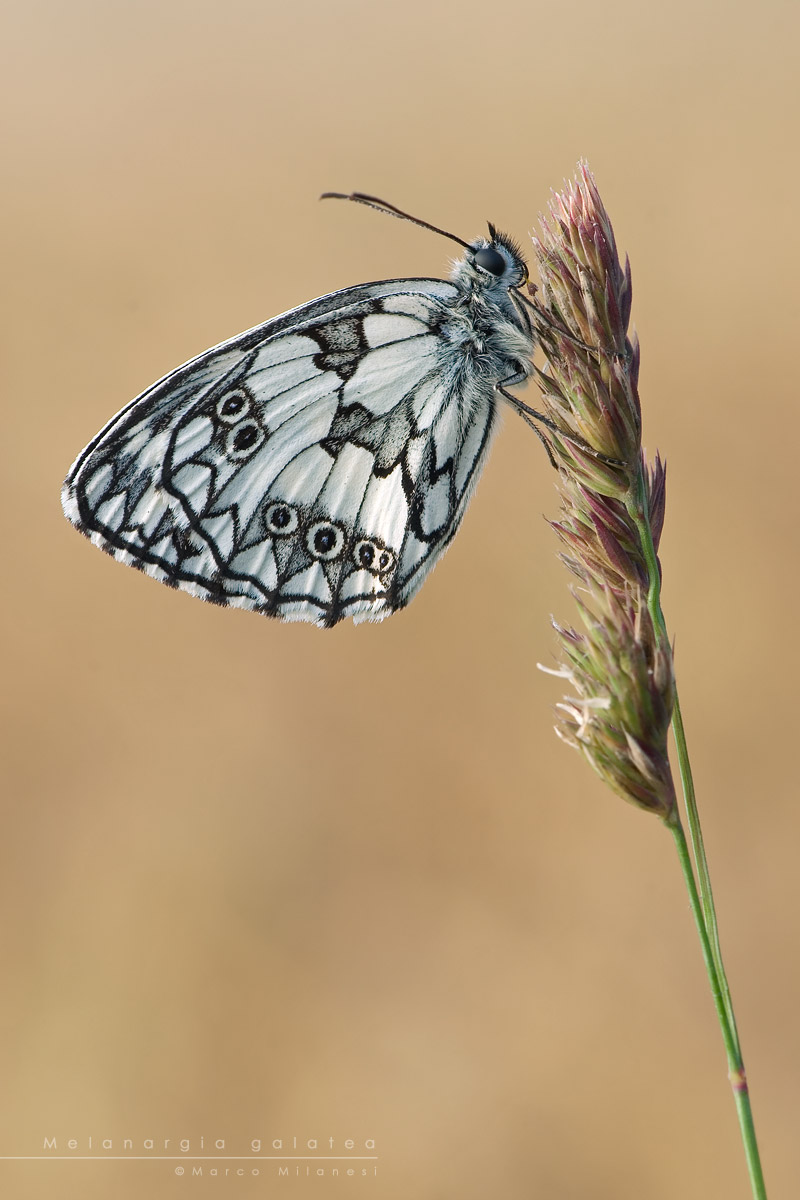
(261, 881)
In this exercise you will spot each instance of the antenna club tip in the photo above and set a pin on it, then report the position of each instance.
(385, 207)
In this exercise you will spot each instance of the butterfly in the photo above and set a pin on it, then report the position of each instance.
(317, 467)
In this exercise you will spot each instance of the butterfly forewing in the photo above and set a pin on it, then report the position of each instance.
(313, 468)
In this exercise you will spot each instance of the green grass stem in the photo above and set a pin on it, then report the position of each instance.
(695, 868)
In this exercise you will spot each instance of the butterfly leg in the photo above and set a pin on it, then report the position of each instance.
(530, 415)
(527, 415)
(544, 318)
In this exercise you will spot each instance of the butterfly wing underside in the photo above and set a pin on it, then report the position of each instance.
(312, 469)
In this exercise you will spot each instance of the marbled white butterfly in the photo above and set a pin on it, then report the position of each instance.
(318, 466)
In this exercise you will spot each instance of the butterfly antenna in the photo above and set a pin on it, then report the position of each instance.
(384, 206)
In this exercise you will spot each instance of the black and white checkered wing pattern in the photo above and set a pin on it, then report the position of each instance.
(311, 469)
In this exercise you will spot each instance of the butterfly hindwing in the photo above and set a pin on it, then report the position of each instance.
(313, 468)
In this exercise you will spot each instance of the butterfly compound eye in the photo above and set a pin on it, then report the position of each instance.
(491, 261)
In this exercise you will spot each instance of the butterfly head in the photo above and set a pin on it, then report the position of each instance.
(493, 262)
